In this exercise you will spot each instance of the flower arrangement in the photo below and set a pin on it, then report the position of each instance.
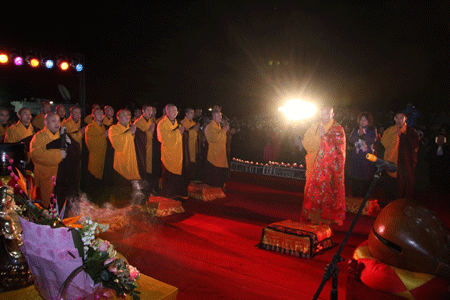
(99, 259)
(103, 263)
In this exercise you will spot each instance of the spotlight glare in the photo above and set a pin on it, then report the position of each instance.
(298, 109)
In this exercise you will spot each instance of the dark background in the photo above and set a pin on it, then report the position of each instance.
(248, 56)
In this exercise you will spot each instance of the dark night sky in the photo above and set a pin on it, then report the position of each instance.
(197, 53)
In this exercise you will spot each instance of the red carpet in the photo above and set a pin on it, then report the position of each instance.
(209, 252)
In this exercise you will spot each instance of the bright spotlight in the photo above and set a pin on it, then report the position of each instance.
(18, 60)
(298, 109)
(48, 63)
(79, 67)
(33, 62)
(4, 58)
(63, 65)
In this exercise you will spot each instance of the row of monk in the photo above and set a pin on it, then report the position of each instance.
(120, 151)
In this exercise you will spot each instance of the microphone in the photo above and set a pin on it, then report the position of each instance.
(63, 137)
(384, 164)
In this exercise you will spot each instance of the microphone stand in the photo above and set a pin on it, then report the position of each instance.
(332, 270)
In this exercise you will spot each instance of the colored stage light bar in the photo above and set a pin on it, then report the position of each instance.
(47, 60)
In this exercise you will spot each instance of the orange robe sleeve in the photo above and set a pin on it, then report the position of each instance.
(189, 125)
(391, 141)
(89, 119)
(96, 143)
(38, 121)
(171, 145)
(45, 162)
(18, 132)
(217, 141)
(125, 161)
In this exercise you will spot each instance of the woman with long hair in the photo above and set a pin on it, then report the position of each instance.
(363, 137)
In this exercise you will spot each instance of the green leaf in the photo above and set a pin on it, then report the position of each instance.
(76, 236)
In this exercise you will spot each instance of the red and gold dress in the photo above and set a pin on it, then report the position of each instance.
(324, 198)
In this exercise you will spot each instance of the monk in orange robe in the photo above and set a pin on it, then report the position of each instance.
(23, 130)
(125, 165)
(90, 118)
(121, 136)
(216, 164)
(192, 128)
(169, 134)
(96, 140)
(74, 126)
(38, 121)
(4, 122)
(145, 128)
(61, 112)
(324, 197)
(46, 161)
(108, 119)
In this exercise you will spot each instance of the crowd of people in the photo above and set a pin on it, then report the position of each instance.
(130, 155)
(270, 139)
(135, 152)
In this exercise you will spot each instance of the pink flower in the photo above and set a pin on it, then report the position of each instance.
(53, 178)
(109, 260)
(113, 269)
(104, 247)
(134, 273)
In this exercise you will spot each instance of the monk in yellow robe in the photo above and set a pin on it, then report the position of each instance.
(4, 122)
(96, 138)
(121, 136)
(169, 134)
(61, 112)
(23, 130)
(74, 126)
(216, 164)
(191, 128)
(38, 121)
(46, 161)
(145, 128)
(90, 118)
(108, 119)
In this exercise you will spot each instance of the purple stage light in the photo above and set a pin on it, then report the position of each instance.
(18, 61)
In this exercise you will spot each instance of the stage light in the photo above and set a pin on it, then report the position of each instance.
(79, 67)
(31, 59)
(18, 60)
(298, 109)
(47, 61)
(16, 57)
(33, 62)
(4, 58)
(63, 65)
(76, 64)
